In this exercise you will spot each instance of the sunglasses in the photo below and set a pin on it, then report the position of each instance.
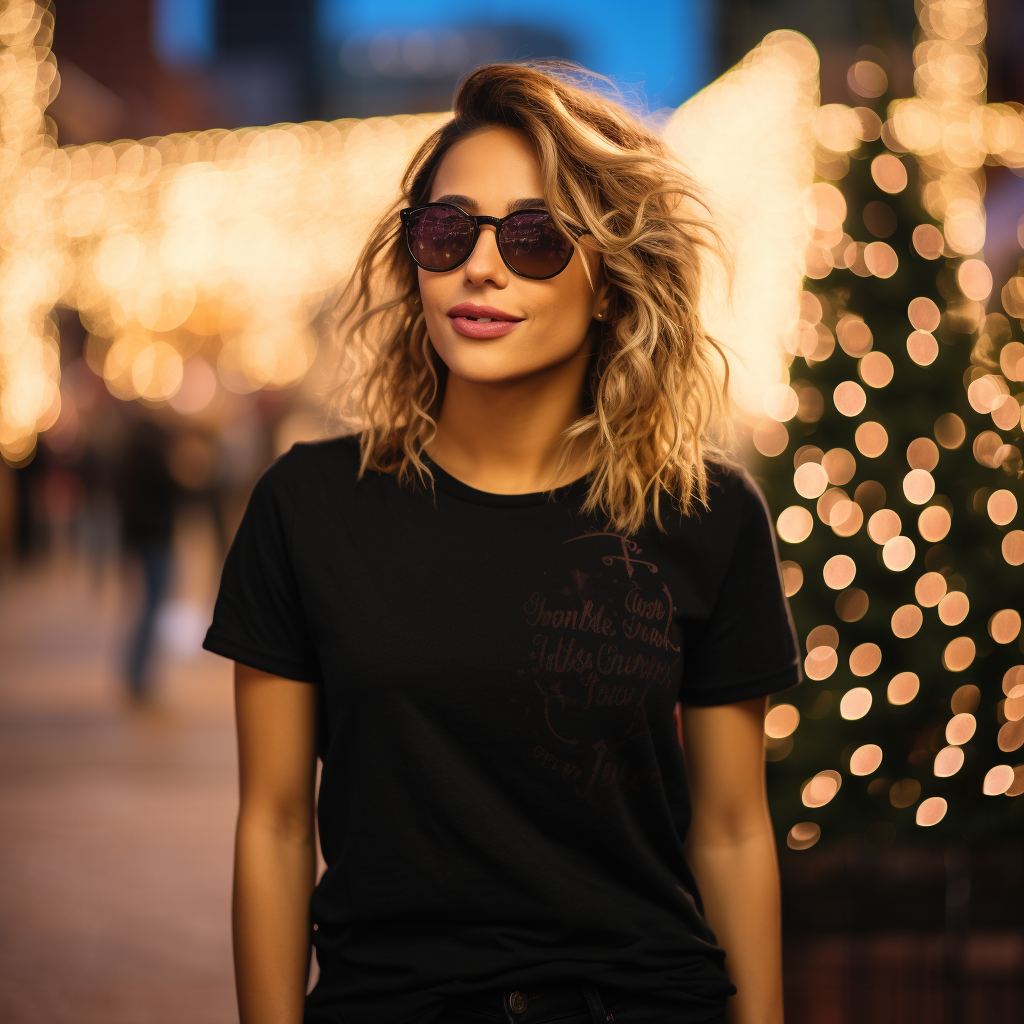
(441, 237)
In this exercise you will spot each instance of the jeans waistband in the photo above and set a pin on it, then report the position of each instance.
(530, 1004)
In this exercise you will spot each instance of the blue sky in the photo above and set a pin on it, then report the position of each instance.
(663, 46)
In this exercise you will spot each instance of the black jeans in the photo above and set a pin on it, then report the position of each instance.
(564, 1004)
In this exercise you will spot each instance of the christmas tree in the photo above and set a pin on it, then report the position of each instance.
(892, 463)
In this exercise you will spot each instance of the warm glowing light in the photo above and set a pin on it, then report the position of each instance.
(904, 792)
(1013, 681)
(1004, 626)
(1001, 507)
(866, 78)
(849, 398)
(898, 553)
(934, 523)
(965, 698)
(953, 608)
(948, 761)
(923, 313)
(997, 780)
(822, 635)
(856, 703)
(888, 173)
(846, 518)
(961, 728)
(792, 577)
(875, 369)
(922, 453)
(1011, 736)
(781, 402)
(985, 392)
(931, 811)
(880, 258)
(803, 836)
(1011, 359)
(794, 525)
(1012, 547)
(198, 387)
(821, 663)
(839, 465)
(865, 659)
(820, 789)
(854, 336)
(930, 589)
(1012, 296)
(839, 571)
(871, 439)
(918, 486)
(989, 449)
(810, 480)
(906, 621)
(852, 604)
(922, 348)
(865, 759)
(903, 688)
(959, 654)
(928, 241)
(781, 721)
(975, 279)
(1005, 412)
(950, 430)
(884, 525)
(765, 105)
(770, 437)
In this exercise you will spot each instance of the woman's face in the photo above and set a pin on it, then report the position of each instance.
(487, 173)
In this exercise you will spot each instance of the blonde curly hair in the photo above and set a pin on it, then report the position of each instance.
(656, 407)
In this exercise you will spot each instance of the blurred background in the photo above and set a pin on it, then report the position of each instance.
(185, 186)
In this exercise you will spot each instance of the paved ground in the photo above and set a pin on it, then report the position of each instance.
(116, 824)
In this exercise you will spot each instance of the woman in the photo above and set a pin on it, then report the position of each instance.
(499, 589)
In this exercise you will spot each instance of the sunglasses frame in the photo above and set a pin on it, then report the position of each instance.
(478, 220)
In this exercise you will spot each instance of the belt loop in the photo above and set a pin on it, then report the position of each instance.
(596, 1005)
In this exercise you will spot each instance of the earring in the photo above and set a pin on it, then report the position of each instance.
(600, 316)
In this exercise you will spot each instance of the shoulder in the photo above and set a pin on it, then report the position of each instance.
(733, 490)
(329, 453)
(734, 513)
(296, 476)
(732, 496)
(307, 462)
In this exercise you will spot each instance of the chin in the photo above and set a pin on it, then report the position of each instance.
(477, 365)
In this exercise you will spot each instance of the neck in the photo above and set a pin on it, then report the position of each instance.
(506, 437)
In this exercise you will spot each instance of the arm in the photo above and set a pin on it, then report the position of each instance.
(274, 845)
(731, 849)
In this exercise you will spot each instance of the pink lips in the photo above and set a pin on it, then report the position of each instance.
(466, 316)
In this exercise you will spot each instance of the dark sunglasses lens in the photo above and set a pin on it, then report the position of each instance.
(440, 238)
(533, 246)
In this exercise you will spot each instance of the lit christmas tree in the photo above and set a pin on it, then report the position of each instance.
(892, 462)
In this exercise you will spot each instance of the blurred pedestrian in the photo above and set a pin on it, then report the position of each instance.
(146, 493)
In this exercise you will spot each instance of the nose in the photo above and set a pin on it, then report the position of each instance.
(485, 265)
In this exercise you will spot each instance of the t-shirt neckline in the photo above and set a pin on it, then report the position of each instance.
(444, 481)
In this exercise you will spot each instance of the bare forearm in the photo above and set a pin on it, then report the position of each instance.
(739, 883)
(274, 876)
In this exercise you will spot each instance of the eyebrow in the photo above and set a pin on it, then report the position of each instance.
(532, 203)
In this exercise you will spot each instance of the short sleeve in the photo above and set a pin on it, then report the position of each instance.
(259, 618)
(748, 647)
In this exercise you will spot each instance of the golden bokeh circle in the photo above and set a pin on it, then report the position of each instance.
(903, 688)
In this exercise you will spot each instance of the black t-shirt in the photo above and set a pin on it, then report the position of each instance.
(503, 798)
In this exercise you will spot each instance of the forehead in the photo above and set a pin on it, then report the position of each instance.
(493, 166)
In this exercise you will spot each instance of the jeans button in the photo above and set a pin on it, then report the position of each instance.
(517, 1002)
